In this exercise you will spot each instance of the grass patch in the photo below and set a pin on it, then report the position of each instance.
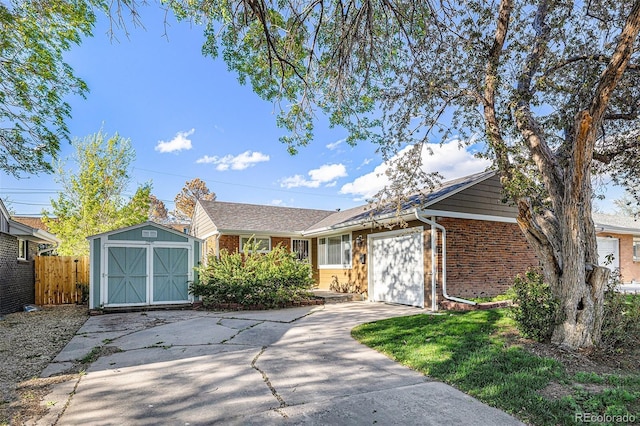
(473, 352)
(498, 298)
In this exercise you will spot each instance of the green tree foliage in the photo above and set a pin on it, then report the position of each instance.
(550, 88)
(35, 79)
(92, 199)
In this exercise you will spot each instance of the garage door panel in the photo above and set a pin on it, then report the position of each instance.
(609, 252)
(126, 275)
(170, 274)
(398, 268)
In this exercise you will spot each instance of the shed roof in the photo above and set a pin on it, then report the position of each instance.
(142, 225)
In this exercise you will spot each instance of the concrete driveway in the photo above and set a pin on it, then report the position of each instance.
(291, 366)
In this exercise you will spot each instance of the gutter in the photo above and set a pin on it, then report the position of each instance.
(434, 266)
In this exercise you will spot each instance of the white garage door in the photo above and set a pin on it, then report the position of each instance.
(608, 247)
(397, 267)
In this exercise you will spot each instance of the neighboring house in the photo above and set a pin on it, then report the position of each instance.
(619, 244)
(142, 265)
(462, 231)
(18, 247)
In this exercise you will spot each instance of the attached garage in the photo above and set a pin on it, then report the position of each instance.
(396, 267)
(609, 252)
(142, 265)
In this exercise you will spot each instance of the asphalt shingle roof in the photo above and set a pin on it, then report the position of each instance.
(259, 218)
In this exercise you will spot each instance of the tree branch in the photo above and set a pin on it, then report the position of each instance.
(526, 123)
(491, 81)
(617, 65)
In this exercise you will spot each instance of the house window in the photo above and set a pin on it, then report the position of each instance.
(263, 244)
(636, 249)
(334, 252)
(302, 249)
(23, 248)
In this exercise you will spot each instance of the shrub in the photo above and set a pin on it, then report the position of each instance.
(621, 317)
(536, 310)
(271, 279)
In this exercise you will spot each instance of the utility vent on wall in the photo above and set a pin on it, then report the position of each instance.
(149, 234)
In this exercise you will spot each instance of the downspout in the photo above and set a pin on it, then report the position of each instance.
(434, 266)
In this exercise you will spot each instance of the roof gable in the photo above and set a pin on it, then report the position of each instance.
(419, 200)
(130, 233)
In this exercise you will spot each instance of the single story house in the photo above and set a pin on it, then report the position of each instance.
(142, 265)
(462, 242)
(19, 245)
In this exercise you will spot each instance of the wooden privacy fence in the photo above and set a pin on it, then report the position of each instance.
(61, 279)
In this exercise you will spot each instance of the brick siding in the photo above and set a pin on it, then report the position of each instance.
(17, 280)
(284, 241)
(484, 257)
(231, 243)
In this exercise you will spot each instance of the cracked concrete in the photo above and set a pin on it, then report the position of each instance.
(295, 366)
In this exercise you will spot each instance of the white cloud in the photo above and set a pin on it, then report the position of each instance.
(238, 162)
(449, 160)
(277, 202)
(180, 142)
(334, 145)
(325, 174)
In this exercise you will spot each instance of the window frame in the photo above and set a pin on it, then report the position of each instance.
(323, 252)
(256, 238)
(309, 246)
(23, 249)
(636, 253)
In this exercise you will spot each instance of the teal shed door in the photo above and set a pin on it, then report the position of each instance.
(126, 275)
(170, 274)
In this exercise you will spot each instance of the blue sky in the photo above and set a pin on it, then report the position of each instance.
(187, 116)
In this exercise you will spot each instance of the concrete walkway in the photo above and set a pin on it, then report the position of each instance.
(292, 366)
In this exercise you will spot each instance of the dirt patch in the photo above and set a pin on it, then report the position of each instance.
(30, 340)
(623, 361)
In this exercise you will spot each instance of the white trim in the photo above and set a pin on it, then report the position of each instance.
(388, 234)
(255, 237)
(149, 246)
(340, 265)
(25, 246)
(472, 216)
(260, 232)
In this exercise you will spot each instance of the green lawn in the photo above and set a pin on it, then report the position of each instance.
(471, 351)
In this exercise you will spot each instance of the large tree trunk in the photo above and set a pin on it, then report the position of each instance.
(564, 239)
(568, 256)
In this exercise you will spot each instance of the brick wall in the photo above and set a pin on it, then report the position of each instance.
(284, 241)
(17, 280)
(629, 270)
(231, 243)
(484, 257)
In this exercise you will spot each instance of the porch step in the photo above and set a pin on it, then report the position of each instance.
(335, 297)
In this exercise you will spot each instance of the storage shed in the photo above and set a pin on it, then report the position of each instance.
(142, 265)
